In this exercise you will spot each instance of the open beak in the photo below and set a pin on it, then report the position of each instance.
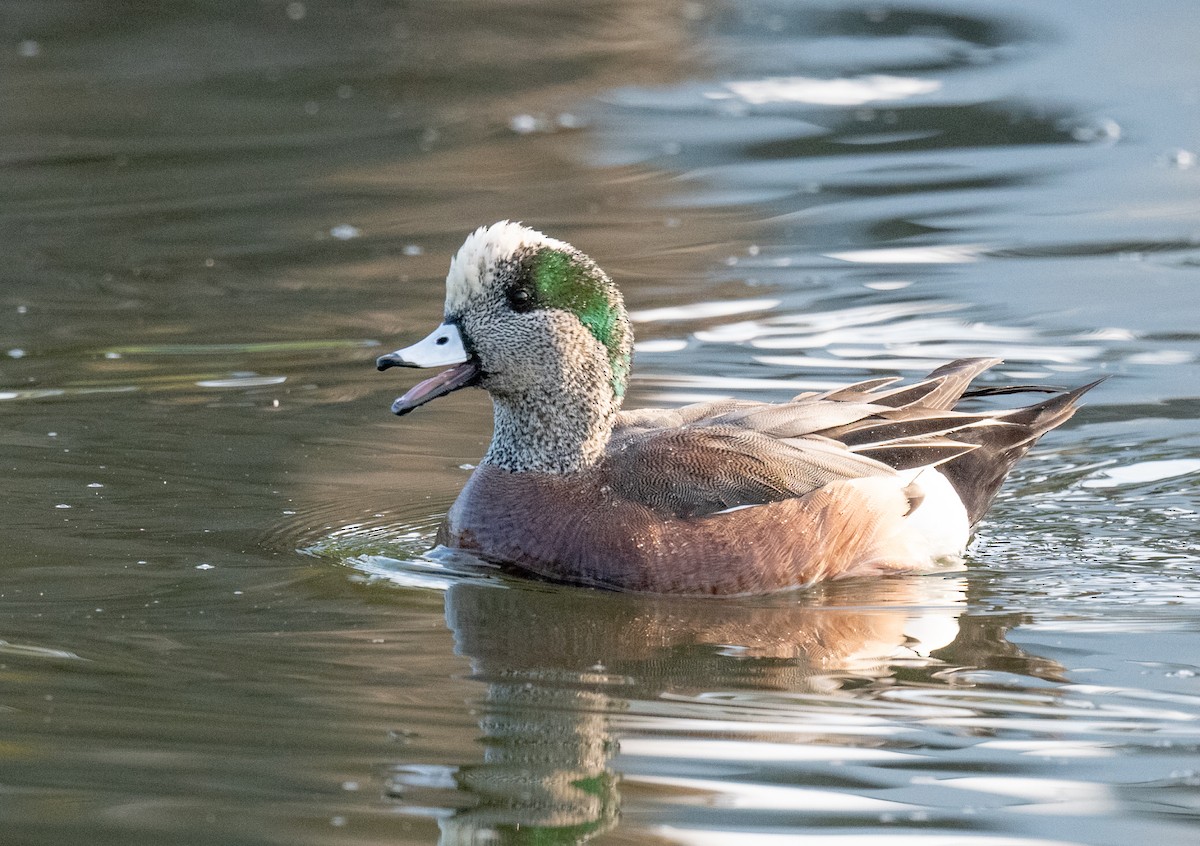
(444, 345)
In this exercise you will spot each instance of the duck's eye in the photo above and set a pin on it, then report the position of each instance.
(520, 298)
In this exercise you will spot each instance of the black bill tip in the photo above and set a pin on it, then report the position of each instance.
(390, 360)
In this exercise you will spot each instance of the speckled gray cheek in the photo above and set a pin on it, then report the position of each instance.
(553, 407)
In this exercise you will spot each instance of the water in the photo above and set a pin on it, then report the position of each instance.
(218, 623)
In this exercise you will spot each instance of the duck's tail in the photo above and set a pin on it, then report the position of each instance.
(993, 441)
(978, 474)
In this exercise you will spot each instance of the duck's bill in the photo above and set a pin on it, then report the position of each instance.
(444, 345)
(458, 376)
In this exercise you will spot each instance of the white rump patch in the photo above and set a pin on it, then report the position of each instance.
(471, 268)
(941, 518)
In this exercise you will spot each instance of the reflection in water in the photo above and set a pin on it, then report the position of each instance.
(691, 721)
(546, 774)
(573, 675)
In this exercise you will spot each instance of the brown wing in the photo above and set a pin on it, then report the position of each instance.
(691, 471)
(712, 456)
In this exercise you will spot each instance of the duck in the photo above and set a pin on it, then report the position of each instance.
(727, 497)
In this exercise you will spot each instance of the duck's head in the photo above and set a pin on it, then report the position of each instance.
(529, 318)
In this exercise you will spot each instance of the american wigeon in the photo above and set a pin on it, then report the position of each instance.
(724, 497)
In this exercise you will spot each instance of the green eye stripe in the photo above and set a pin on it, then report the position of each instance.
(561, 283)
(565, 283)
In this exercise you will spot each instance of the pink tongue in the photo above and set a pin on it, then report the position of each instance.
(456, 377)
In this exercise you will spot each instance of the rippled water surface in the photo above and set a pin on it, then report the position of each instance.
(218, 624)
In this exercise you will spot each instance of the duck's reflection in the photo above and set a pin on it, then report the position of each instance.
(563, 666)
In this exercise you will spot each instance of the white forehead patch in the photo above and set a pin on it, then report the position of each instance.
(471, 268)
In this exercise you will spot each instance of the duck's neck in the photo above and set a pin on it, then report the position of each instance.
(562, 431)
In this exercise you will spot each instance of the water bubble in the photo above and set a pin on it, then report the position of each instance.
(345, 232)
(413, 250)
(62, 505)
(566, 120)
(1105, 130)
(16, 352)
(205, 567)
(296, 11)
(1181, 159)
(523, 124)
(29, 49)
